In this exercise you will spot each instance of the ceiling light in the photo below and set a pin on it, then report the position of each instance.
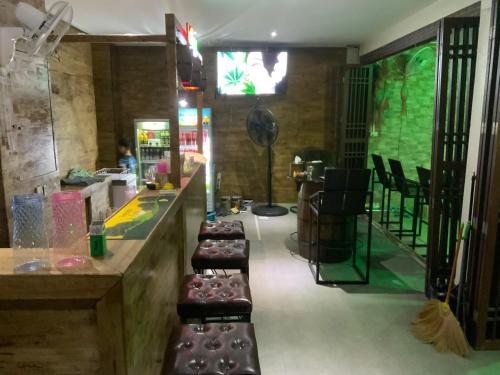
(274, 34)
(183, 103)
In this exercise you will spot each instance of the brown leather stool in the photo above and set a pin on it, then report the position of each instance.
(221, 255)
(215, 348)
(215, 297)
(221, 230)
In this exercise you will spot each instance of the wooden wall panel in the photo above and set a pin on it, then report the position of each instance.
(30, 159)
(150, 297)
(73, 106)
(104, 103)
(49, 342)
(306, 115)
(132, 84)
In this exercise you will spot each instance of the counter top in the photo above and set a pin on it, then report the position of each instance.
(88, 282)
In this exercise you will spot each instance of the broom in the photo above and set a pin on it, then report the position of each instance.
(436, 324)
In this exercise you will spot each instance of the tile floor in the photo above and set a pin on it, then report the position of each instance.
(305, 329)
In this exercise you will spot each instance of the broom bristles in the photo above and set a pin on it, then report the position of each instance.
(436, 324)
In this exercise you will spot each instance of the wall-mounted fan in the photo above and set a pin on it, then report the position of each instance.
(263, 131)
(41, 33)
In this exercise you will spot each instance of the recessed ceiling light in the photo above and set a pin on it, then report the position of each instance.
(274, 34)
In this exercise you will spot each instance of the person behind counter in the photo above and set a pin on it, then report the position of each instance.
(127, 160)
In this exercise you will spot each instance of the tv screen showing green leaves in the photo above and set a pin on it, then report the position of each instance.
(251, 73)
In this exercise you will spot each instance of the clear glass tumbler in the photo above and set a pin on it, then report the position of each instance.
(29, 235)
(69, 230)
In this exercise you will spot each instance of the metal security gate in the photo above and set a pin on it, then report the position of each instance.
(483, 299)
(457, 47)
(356, 113)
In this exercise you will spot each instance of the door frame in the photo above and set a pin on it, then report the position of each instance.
(416, 38)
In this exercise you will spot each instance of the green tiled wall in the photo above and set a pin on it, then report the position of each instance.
(407, 138)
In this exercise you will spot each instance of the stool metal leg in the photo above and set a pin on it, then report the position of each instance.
(401, 216)
(246, 270)
(369, 240)
(355, 244)
(415, 220)
(388, 217)
(318, 222)
(421, 222)
(310, 234)
(382, 208)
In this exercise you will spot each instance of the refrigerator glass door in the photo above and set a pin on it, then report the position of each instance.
(188, 120)
(152, 139)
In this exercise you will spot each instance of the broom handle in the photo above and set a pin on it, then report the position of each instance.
(455, 261)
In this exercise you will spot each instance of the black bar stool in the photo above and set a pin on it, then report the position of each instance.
(408, 189)
(385, 179)
(344, 194)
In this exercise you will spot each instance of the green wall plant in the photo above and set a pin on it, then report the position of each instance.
(403, 107)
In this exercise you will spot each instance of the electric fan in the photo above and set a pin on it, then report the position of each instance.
(263, 131)
(41, 34)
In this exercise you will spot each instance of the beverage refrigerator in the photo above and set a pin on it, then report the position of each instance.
(152, 139)
(188, 120)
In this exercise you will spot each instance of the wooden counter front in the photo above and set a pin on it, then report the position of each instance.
(113, 319)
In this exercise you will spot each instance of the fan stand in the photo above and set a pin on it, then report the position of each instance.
(269, 210)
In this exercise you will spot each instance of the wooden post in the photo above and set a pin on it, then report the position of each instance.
(173, 101)
(199, 133)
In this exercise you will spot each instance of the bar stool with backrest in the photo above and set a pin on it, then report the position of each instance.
(408, 189)
(424, 178)
(345, 195)
(385, 179)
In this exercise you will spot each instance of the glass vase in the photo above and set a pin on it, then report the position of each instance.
(29, 235)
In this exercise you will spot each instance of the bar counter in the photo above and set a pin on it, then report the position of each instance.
(114, 318)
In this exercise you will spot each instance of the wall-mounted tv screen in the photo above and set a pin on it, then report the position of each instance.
(251, 72)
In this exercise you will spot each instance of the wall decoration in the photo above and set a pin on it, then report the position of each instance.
(251, 73)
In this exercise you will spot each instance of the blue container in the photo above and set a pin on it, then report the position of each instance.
(29, 237)
(211, 216)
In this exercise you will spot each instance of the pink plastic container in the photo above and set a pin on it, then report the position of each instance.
(69, 230)
(162, 166)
